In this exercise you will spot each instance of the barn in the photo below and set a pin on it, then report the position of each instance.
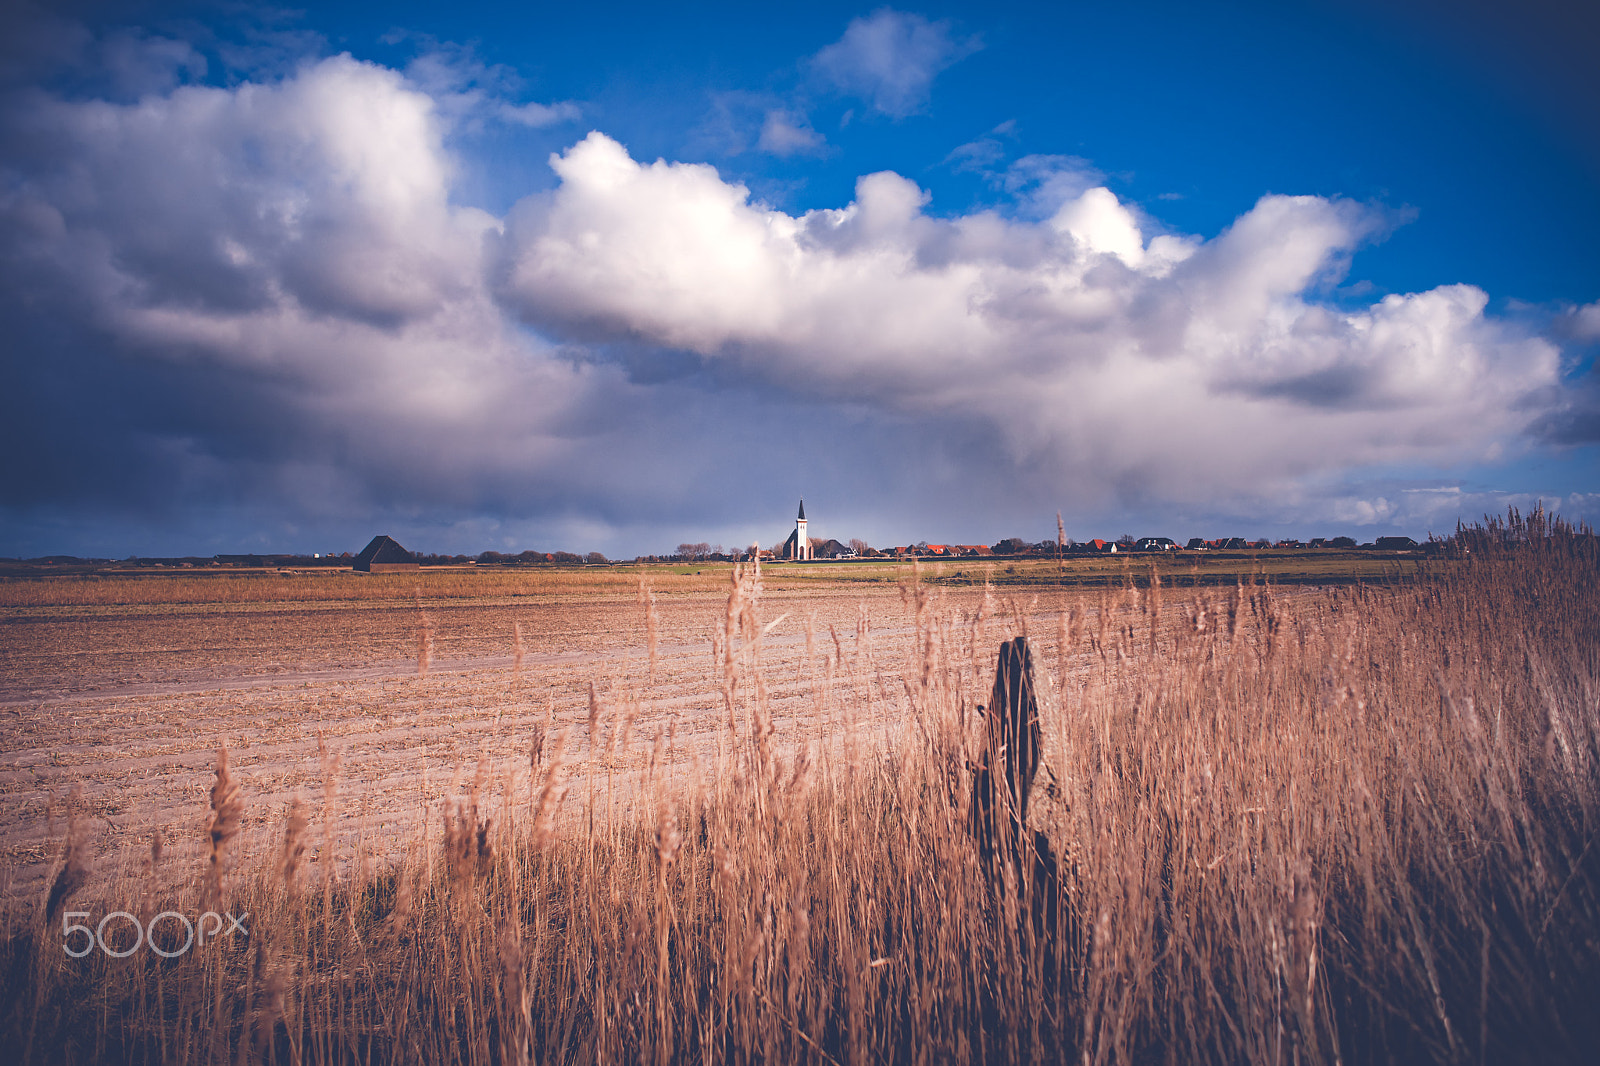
(384, 555)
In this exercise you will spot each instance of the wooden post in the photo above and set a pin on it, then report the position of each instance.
(1001, 784)
(1004, 777)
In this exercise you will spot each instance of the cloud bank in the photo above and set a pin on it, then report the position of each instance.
(266, 293)
(1181, 367)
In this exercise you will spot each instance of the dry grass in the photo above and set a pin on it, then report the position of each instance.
(1358, 827)
(171, 589)
(328, 586)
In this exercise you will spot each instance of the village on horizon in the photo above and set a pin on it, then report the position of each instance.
(384, 554)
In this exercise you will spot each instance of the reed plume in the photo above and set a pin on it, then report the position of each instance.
(76, 860)
(227, 807)
(293, 847)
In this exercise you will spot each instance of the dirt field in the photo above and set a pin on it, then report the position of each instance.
(117, 690)
(1352, 822)
(129, 702)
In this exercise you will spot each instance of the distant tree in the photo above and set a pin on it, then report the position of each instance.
(1009, 546)
(1127, 540)
(490, 557)
(597, 558)
(692, 552)
(565, 557)
(1342, 542)
(859, 546)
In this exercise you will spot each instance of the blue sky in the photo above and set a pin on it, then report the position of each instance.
(548, 278)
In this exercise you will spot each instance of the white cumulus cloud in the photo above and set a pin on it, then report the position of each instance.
(1586, 322)
(538, 116)
(787, 132)
(890, 59)
(1182, 366)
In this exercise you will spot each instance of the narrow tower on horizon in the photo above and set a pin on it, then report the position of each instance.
(802, 543)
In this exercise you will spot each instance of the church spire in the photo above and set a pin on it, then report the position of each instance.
(802, 516)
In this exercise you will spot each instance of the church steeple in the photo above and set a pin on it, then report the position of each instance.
(802, 542)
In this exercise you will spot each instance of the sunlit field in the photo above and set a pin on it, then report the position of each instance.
(1340, 810)
(117, 586)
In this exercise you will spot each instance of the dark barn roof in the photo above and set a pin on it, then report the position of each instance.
(383, 551)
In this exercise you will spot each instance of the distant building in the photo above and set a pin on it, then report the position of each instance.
(1156, 544)
(831, 549)
(1395, 544)
(384, 555)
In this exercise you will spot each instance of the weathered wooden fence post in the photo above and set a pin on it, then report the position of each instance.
(1002, 782)
(1004, 776)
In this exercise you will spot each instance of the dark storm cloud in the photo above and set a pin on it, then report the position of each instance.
(1573, 415)
(1577, 425)
(224, 293)
(1576, 417)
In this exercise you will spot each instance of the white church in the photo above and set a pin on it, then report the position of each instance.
(798, 546)
(801, 547)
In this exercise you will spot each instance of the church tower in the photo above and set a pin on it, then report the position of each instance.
(802, 543)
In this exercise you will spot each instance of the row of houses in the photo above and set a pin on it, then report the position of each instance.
(833, 549)
(1239, 543)
(947, 550)
(800, 546)
(1167, 544)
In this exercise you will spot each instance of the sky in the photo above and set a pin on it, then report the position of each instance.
(582, 278)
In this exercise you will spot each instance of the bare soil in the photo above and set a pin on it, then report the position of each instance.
(117, 712)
